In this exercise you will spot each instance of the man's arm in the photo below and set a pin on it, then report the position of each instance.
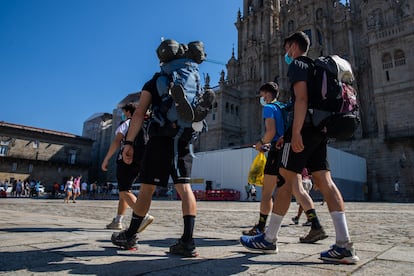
(268, 135)
(300, 109)
(135, 125)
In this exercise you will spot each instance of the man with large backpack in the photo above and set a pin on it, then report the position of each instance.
(274, 129)
(166, 154)
(305, 146)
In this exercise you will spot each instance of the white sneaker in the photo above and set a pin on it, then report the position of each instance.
(114, 225)
(148, 219)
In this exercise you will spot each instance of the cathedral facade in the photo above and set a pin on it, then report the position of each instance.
(376, 37)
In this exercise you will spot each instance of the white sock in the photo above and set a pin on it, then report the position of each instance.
(341, 228)
(273, 228)
(118, 218)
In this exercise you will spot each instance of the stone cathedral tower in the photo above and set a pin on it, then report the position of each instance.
(376, 36)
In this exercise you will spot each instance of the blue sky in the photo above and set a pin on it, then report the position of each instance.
(63, 60)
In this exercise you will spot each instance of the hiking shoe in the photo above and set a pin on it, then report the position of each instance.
(148, 219)
(314, 235)
(258, 243)
(121, 240)
(341, 255)
(203, 106)
(184, 109)
(252, 232)
(308, 223)
(114, 225)
(295, 220)
(186, 249)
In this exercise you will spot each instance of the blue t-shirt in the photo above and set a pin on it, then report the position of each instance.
(273, 111)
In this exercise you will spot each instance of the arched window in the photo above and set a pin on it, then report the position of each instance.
(399, 57)
(227, 107)
(386, 61)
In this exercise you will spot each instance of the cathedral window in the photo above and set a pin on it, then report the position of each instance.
(291, 26)
(386, 61)
(227, 107)
(399, 57)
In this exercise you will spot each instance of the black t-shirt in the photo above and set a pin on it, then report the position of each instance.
(151, 86)
(300, 70)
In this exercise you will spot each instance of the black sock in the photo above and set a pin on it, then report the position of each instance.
(312, 217)
(262, 222)
(189, 222)
(134, 225)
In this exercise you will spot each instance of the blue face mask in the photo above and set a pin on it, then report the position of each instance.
(288, 59)
(123, 117)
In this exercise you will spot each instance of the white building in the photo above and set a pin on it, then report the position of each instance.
(228, 168)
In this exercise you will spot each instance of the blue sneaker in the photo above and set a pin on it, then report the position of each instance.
(341, 255)
(258, 243)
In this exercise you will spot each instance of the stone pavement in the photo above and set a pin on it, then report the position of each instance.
(43, 236)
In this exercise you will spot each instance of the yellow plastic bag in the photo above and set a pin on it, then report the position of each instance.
(256, 172)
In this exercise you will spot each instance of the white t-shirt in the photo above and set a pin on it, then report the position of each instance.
(84, 186)
(123, 128)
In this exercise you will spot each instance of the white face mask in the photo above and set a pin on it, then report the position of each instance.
(262, 101)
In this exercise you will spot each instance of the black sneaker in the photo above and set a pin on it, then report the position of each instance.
(186, 249)
(204, 104)
(252, 232)
(184, 109)
(121, 240)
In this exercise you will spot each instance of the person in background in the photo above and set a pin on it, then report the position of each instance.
(307, 186)
(68, 189)
(126, 174)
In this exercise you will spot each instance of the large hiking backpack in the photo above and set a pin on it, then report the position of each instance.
(179, 68)
(333, 105)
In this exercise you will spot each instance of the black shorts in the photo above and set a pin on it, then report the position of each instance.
(159, 162)
(273, 162)
(126, 175)
(314, 155)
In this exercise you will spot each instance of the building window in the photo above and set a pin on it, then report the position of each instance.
(232, 109)
(386, 61)
(227, 107)
(30, 168)
(14, 167)
(387, 75)
(214, 116)
(215, 107)
(4, 149)
(399, 57)
(35, 144)
(237, 111)
(72, 157)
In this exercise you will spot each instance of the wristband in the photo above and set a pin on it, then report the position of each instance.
(128, 143)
